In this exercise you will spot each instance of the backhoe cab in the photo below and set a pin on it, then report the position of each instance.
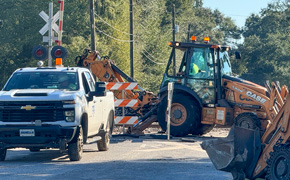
(198, 85)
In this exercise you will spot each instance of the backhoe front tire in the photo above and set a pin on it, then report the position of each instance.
(247, 120)
(278, 165)
(75, 148)
(185, 115)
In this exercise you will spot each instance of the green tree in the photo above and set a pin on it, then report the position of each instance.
(267, 44)
(152, 32)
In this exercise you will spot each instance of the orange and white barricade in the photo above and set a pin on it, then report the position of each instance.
(124, 120)
(121, 86)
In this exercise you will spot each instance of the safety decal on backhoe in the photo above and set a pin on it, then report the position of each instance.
(237, 89)
(255, 97)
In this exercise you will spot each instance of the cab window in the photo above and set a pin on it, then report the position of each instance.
(225, 63)
(201, 64)
(91, 81)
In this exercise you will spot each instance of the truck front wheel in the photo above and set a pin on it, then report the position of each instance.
(103, 144)
(185, 115)
(75, 148)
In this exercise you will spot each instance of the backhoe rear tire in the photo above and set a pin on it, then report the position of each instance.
(203, 129)
(185, 115)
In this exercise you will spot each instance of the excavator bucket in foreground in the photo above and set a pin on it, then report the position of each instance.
(237, 153)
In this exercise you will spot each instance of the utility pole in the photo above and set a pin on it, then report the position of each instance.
(131, 40)
(92, 19)
(173, 38)
(188, 33)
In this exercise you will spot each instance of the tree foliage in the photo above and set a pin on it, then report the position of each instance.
(152, 32)
(267, 44)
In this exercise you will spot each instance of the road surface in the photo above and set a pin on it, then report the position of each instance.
(128, 158)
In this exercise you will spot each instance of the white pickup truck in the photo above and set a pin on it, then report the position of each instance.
(52, 107)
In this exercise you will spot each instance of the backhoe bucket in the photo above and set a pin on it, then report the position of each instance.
(237, 153)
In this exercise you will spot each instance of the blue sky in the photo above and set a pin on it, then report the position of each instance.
(238, 10)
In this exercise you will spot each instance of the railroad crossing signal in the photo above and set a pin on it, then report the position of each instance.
(45, 28)
(54, 26)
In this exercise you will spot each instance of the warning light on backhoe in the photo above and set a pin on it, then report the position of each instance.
(206, 39)
(193, 38)
(176, 44)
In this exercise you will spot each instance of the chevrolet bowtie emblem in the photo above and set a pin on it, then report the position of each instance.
(28, 107)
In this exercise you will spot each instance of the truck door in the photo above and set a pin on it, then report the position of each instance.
(95, 107)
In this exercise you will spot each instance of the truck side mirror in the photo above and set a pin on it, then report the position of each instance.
(238, 55)
(100, 86)
(100, 91)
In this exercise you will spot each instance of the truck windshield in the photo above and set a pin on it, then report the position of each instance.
(43, 80)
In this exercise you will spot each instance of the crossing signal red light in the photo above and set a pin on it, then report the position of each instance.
(58, 52)
(39, 53)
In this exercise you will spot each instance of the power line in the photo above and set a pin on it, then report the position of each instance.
(153, 56)
(121, 40)
(152, 60)
(111, 25)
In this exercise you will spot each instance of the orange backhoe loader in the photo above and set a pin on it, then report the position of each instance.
(253, 152)
(205, 91)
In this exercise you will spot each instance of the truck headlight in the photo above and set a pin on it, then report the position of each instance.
(70, 119)
(69, 115)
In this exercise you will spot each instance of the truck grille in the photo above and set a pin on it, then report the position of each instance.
(31, 111)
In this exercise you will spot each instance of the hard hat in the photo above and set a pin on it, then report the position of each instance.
(63, 78)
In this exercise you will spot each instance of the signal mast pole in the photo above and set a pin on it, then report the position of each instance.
(92, 19)
(173, 39)
(50, 33)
